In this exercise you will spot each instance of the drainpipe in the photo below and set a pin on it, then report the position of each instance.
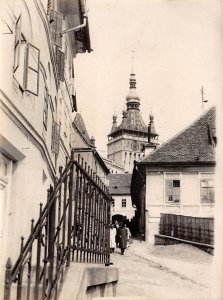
(77, 27)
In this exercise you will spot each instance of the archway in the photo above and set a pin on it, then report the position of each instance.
(119, 218)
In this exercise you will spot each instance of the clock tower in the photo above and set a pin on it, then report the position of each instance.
(127, 142)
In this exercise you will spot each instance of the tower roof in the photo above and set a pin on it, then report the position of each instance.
(133, 100)
(132, 119)
(152, 126)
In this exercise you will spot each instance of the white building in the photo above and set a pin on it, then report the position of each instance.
(119, 188)
(178, 177)
(38, 103)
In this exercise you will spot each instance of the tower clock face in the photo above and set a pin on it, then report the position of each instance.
(135, 145)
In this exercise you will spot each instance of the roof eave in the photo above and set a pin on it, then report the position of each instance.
(189, 163)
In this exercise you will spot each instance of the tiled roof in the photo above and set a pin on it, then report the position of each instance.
(119, 184)
(193, 144)
(133, 121)
(79, 123)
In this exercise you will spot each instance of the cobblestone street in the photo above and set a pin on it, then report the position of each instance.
(158, 272)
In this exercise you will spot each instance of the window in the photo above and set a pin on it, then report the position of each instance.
(19, 53)
(56, 29)
(207, 191)
(55, 138)
(3, 167)
(18, 39)
(60, 63)
(50, 10)
(123, 202)
(32, 69)
(45, 108)
(26, 62)
(173, 190)
(113, 202)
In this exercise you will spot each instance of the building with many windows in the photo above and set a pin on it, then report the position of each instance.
(178, 177)
(39, 42)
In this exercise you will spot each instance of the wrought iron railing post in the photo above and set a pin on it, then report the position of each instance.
(71, 193)
(39, 237)
(51, 230)
(8, 282)
(20, 274)
(75, 218)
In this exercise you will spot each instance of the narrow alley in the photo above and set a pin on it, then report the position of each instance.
(163, 272)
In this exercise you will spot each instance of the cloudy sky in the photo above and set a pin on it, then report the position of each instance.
(177, 50)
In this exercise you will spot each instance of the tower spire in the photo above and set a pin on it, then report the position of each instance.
(133, 100)
(132, 70)
(202, 98)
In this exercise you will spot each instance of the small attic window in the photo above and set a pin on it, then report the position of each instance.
(115, 187)
(212, 139)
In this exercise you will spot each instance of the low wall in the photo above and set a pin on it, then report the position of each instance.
(86, 281)
(169, 240)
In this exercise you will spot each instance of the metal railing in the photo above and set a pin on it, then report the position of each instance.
(73, 226)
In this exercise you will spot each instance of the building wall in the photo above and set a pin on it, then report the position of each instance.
(121, 151)
(25, 132)
(190, 203)
(77, 141)
(114, 169)
(117, 209)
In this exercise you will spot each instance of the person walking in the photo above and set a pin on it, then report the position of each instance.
(128, 235)
(117, 235)
(112, 238)
(122, 232)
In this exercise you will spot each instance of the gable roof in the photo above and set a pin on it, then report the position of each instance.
(119, 184)
(80, 126)
(196, 143)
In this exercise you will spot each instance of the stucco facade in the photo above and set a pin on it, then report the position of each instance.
(38, 105)
(122, 205)
(190, 200)
(178, 177)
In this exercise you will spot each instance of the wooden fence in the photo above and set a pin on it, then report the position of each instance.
(200, 230)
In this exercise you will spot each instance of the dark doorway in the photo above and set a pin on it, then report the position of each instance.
(118, 218)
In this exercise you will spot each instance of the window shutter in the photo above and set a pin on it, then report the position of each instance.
(74, 99)
(50, 10)
(32, 69)
(17, 43)
(45, 108)
(56, 29)
(60, 62)
(56, 138)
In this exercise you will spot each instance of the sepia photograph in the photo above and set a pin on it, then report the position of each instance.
(111, 150)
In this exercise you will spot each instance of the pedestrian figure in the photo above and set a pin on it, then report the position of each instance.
(112, 238)
(128, 235)
(122, 232)
(117, 235)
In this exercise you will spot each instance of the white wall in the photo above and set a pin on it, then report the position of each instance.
(21, 121)
(190, 203)
(127, 211)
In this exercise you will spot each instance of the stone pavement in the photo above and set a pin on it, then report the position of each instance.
(164, 272)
